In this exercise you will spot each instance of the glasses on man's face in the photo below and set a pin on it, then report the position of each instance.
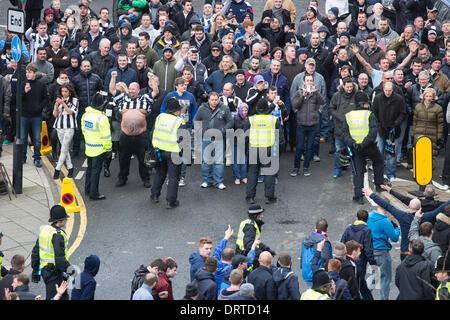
(215, 49)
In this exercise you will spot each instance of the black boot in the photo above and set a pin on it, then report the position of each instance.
(56, 174)
(70, 173)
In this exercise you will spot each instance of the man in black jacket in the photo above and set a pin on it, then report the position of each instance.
(86, 84)
(101, 60)
(349, 271)
(17, 266)
(204, 278)
(413, 275)
(262, 278)
(35, 99)
(360, 232)
(241, 86)
(390, 110)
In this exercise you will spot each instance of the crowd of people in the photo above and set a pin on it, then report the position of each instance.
(368, 77)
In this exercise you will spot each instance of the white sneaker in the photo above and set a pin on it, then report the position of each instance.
(316, 158)
(221, 186)
(204, 185)
(228, 162)
(181, 183)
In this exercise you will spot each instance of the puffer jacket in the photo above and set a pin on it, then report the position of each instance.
(308, 107)
(441, 234)
(310, 245)
(101, 64)
(428, 121)
(340, 104)
(86, 84)
(390, 113)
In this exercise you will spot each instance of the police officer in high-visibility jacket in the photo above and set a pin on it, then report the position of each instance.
(442, 272)
(359, 131)
(49, 257)
(249, 231)
(97, 137)
(323, 287)
(263, 134)
(165, 143)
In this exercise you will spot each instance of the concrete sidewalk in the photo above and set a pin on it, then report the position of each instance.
(21, 217)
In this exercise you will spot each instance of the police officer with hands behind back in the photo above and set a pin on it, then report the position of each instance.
(359, 131)
(49, 257)
(165, 142)
(97, 136)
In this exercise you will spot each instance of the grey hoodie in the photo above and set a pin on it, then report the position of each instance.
(432, 249)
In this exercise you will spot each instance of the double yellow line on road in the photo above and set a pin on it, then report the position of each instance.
(71, 220)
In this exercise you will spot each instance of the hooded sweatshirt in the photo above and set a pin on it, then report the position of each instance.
(360, 232)
(84, 283)
(382, 230)
(227, 294)
(207, 287)
(286, 282)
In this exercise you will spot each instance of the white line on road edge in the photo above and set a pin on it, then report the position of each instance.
(79, 175)
(366, 185)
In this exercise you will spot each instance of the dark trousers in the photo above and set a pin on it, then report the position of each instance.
(51, 278)
(366, 294)
(167, 167)
(305, 136)
(93, 171)
(292, 121)
(252, 179)
(129, 145)
(359, 163)
(30, 16)
(78, 136)
(446, 170)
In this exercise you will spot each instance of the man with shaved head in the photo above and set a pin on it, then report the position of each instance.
(262, 278)
(133, 109)
(404, 218)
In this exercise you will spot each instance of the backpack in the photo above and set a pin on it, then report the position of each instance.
(306, 257)
(138, 279)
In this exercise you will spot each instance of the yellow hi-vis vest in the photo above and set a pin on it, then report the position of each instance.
(240, 236)
(165, 133)
(97, 133)
(46, 252)
(439, 289)
(358, 124)
(262, 130)
(314, 295)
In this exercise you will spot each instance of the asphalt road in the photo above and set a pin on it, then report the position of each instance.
(127, 230)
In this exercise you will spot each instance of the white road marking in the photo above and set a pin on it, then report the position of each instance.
(84, 164)
(190, 242)
(159, 247)
(79, 175)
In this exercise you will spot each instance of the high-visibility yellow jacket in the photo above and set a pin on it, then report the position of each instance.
(443, 291)
(358, 124)
(262, 130)
(314, 295)
(46, 252)
(240, 236)
(165, 133)
(97, 133)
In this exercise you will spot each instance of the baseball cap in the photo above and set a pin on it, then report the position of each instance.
(238, 259)
(258, 79)
(81, 4)
(310, 61)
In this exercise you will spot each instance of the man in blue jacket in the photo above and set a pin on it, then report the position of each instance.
(360, 232)
(273, 77)
(382, 231)
(197, 259)
(285, 279)
(84, 283)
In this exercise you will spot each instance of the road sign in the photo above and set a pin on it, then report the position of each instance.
(16, 21)
(16, 48)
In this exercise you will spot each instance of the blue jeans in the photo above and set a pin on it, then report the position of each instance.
(239, 166)
(308, 132)
(340, 145)
(212, 164)
(384, 262)
(391, 161)
(35, 123)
